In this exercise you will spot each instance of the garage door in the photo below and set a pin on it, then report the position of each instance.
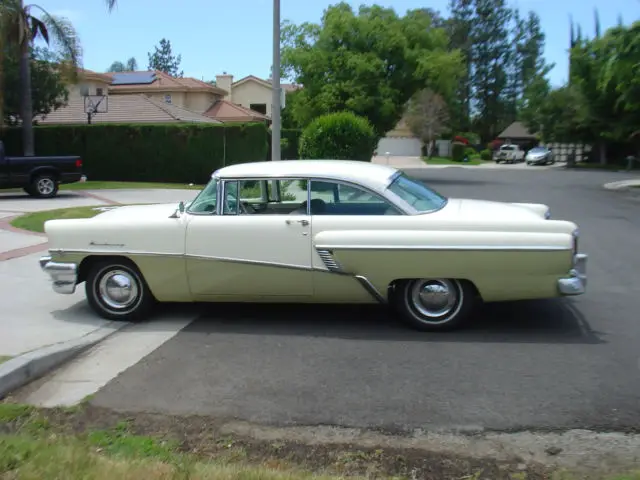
(397, 146)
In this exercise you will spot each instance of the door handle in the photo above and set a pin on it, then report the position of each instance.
(301, 222)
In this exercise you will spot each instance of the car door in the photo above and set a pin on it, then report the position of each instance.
(248, 253)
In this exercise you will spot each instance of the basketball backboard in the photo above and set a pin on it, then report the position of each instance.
(96, 104)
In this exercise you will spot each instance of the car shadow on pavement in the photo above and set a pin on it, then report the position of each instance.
(545, 321)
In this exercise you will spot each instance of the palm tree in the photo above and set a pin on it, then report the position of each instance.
(19, 28)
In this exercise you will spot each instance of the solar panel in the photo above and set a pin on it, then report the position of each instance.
(133, 78)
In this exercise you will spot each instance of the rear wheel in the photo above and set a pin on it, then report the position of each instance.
(435, 304)
(43, 186)
(116, 290)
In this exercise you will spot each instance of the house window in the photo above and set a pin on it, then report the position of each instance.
(99, 91)
(259, 107)
(167, 98)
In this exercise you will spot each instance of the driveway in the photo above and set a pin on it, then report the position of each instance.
(33, 315)
(554, 364)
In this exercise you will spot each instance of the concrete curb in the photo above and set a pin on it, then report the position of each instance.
(29, 366)
(622, 184)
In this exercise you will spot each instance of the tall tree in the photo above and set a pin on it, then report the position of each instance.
(369, 62)
(49, 83)
(427, 117)
(490, 53)
(164, 60)
(20, 27)
(130, 65)
(459, 26)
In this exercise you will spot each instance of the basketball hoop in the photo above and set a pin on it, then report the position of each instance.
(95, 104)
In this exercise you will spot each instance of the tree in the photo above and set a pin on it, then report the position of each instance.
(164, 60)
(427, 117)
(130, 65)
(49, 85)
(459, 28)
(491, 47)
(20, 27)
(368, 62)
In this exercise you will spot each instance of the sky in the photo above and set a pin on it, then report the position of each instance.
(235, 36)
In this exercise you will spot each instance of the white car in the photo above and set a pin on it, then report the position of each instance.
(510, 154)
(318, 231)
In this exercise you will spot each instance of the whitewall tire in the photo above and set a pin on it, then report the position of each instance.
(116, 290)
(435, 304)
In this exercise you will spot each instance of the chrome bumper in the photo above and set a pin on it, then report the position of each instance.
(576, 284)
(64, 275)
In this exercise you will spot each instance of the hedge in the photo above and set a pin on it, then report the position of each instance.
(458, 151)
(289, 144)
(338, 136)
(181, 153)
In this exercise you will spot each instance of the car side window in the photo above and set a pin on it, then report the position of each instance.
(335, 198)
(265, 197)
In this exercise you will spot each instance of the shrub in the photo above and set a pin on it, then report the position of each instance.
(339, 136)
(486, 154)
(495, 144)
(289, 140)
(470, 152)
(181, 153)
(457, 152)
(460, 139)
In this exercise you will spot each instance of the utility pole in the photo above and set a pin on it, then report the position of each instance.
(275, 79)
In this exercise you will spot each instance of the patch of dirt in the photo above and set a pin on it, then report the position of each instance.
(209, 438)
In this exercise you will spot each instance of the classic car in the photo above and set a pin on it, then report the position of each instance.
(539, 156)
(323, 231)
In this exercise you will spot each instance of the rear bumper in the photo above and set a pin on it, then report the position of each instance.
(63, 275)
(576, 283)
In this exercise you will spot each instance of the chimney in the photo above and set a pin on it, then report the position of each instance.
(224, 82)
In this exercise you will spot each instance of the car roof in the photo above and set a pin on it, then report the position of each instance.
(364, 173)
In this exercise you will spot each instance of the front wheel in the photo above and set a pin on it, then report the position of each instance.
(435, 304)
(116, 290)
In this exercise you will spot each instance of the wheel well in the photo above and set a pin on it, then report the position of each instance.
(397, 282)
(87, 264)
(44, 171)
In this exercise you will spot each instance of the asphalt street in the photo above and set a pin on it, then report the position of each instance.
(553, 364)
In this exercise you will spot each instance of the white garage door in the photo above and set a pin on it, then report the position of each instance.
(402, 147)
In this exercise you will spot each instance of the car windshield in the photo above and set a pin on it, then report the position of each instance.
(416, 194)
(538, 150)
(205, 202)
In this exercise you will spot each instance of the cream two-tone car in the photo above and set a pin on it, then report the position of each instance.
(315, 231)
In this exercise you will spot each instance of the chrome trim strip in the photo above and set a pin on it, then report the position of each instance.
(329, 261)
(532, 248)
(368, 286)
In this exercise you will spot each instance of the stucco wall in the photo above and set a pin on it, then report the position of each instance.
(251, 92)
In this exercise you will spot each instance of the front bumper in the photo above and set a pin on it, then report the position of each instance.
(63, 275)
(576, 284)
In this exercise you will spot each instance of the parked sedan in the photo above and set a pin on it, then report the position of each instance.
(540, 156)
(318, 232)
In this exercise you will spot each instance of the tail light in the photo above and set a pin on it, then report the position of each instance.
(576, 234)
(79, 163)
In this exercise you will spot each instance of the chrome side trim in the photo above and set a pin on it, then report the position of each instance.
(507, 248)
(329, 261)
(63, 275)
(368, 286)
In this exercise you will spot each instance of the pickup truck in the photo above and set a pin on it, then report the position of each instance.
(509, 153)
(38, 176)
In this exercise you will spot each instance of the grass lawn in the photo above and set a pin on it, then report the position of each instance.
(35, 221)
(4, 358)
(86, 442)
(448, 161)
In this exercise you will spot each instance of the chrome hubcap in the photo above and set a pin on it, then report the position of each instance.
(45, 186)
(118, 289)
(434, 298)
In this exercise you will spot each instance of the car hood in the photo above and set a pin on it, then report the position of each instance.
(137, 212)
(484, 209)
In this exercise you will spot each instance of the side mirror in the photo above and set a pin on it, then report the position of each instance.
(181, 207)
(179, 210)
